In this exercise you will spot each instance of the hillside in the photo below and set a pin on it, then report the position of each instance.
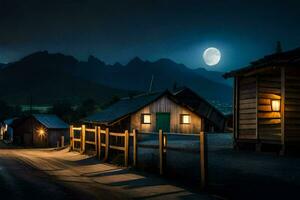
(51, 77)
(136, 75)
(46, 78)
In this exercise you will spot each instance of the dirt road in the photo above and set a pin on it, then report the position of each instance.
(48, 174)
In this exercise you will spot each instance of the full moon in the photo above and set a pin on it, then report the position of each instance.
(212, 56)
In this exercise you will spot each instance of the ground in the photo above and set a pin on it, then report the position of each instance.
(50, 174)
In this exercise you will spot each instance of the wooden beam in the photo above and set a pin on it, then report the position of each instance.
(203, 160)
(71, 138)
(106, 144)
(236, 108)
(62, 141)
(134, 148)
(82, 137)
(126, 152)
(95, 138)
(99, 142)
(256, 114)
(282, 110)
(161, 152)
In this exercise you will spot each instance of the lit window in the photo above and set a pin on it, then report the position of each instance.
(146, 118)
(276, 105)
(185, 119)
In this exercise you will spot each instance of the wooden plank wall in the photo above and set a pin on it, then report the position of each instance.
(269, 122)
(247, 108)
(164, 104)
(292, 105)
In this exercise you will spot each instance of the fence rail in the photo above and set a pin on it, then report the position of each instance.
(162, 146)
(98, 143)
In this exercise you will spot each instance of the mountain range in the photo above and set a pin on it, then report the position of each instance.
(45, 77)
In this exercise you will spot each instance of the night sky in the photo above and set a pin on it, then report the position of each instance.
(116, 31)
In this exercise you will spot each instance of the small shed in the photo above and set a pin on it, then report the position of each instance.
(40, 130)
(267, 101)
(181, 112)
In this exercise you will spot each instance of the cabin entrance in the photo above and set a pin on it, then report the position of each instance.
(163, 121)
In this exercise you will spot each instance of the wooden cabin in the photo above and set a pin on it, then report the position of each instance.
(267, 101)
(39, 130)
(180, 112)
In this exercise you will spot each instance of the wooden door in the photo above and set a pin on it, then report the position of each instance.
(163, 121)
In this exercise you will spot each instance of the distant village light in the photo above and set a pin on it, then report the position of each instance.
(276, 105)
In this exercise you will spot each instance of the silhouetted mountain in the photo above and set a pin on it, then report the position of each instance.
(213, 75)
(46, 78)
(49, 77)
(137, 74)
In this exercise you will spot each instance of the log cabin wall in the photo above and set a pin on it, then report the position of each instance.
(269, 122)
(164, 104)
(246, 108)
(292, 105)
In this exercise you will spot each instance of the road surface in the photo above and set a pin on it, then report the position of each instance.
(49, 174)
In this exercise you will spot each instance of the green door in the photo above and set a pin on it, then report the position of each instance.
(163, 121)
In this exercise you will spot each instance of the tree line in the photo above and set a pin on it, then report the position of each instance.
(63, 109)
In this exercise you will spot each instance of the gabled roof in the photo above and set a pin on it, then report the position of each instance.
(51, 121)
(290, 58)
(200, 106)
(124, 107)
(183, 97)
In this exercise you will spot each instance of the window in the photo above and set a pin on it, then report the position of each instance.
(146, 118)
(276, 105)
(185, 119)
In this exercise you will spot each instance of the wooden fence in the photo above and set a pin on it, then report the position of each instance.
(162, 146)
(99, 144)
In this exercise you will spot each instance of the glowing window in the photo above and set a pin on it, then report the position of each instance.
(185, 119)
(146, 118)
(276, 105)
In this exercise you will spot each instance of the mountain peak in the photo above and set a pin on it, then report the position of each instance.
(166, 61)
(135, 60)
(94, 60)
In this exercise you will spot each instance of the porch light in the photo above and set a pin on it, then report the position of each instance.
(185, 119)
(146, 118)
(275, 105)
(41, 132)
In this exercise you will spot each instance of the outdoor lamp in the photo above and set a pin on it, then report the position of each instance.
(41, 132)
(276, 105)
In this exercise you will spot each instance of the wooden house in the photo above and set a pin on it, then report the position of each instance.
(39, 130)
(180, 112)
(267, 101)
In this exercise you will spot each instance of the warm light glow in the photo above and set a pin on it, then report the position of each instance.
(41, 132)
(276, 105)
(185, 119)
(146, 118)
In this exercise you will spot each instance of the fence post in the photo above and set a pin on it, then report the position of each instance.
(126, 148)
(161, 152)
(82, 138)
(203, 159)
(71, 138)
(106, 144)
(134, 148)
(99, 142)
(62, 141)
(95, 139)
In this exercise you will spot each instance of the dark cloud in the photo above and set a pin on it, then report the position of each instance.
(117, 30)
